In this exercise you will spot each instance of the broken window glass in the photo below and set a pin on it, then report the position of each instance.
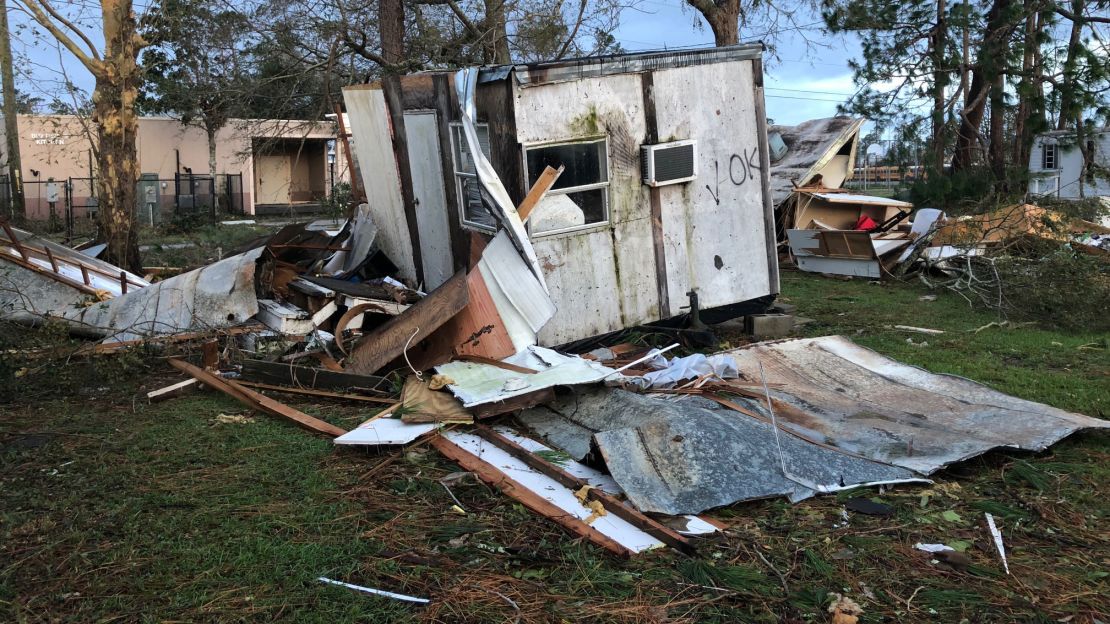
(580, 197)
(471, 210)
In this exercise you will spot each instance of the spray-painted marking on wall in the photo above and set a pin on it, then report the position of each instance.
(741, 168)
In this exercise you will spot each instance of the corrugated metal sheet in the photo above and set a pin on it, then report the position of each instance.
(689, 455)
(811, 144)
(862, 402)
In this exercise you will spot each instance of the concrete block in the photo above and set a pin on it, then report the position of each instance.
(770, 325)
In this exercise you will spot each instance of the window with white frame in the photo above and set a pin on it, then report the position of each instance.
(1048, 156)
(471, 210)
(580, 197)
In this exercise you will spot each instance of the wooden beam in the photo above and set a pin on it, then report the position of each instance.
(481, 359)
(388, 342)
(519, 402)
(257, 401)
(539, 189)
(513, 489)
(612, 505)
(314, 378)
(317, 393)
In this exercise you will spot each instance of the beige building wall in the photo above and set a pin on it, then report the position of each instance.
(287, 160)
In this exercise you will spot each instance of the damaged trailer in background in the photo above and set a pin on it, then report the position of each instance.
(664, 189)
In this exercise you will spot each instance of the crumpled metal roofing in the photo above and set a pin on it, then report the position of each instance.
(862, 402)
(848, 416)
(218, 295)
(688, 455)
(809, 142)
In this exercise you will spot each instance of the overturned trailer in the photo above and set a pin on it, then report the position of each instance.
(664, 189)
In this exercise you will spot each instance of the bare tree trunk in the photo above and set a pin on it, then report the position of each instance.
(997, 152)
(987, 69)
(965, 66)
(11, 122)
(940, 82)
(723, 17)
(497, 50)
(391, 32)
(1022, 123)
(211, 130)
(117, 126)
(1067, 86)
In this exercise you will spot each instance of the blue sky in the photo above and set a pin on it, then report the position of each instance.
(804, 82)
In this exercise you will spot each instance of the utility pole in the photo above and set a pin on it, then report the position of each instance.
(11, 123)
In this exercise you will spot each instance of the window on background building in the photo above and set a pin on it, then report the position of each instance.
(1048, 156)
(471, 210)
(580, 197)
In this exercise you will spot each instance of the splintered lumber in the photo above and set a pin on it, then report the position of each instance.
(280, 374)
(539, 189)
(477, 329)
(257, 401)
(316, 393)
(514, 490)
(388, 342)
(564, 478)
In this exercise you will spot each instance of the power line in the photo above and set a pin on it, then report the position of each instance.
(808, 91)
(795, 97)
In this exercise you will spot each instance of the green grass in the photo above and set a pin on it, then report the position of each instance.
(115, 510)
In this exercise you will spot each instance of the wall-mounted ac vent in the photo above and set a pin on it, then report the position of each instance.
(669, 163)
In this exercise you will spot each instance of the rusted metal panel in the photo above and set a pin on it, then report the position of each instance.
(865, 403)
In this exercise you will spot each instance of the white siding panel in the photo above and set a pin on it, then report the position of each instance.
(596, 287)
(714, 226)
(582, 280)
(373, 148)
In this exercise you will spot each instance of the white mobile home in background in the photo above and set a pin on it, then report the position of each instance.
(665, 188)
(1055, 163)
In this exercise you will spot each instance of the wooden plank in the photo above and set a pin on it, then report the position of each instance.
(315, 378)
(177, 389)
(391, 91)
(651, 121)
(539, 189)
(514, 490)
(258, 401)
(358, 194)
(317, 393)
(612, 505)
(478, 359)
(477, 329)
(519, 402)
(389, 341)
(14, 259)
(210, 354)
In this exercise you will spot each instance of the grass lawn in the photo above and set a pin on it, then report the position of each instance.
(117, 510)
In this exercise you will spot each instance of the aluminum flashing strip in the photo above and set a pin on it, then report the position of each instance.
(592, 67)
(862, 402)
(384, 431)
(686, 456)
(494, 196)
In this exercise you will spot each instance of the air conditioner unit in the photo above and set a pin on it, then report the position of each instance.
(669, 163)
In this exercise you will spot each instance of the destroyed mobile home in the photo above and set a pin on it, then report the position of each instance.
(469, 318)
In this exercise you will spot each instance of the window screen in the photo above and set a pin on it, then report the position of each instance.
(471, 210)
(580, 197)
